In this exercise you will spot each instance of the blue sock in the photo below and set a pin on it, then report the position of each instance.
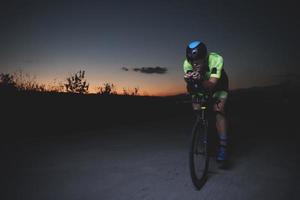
(223, 139)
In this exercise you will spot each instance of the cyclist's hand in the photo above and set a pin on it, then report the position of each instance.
(196, 75)
(188, 76)
(191, 76)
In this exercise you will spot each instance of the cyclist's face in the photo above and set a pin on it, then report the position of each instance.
(199, 65)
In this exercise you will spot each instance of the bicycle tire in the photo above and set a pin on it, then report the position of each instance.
(199, 154)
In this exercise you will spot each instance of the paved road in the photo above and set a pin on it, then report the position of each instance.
(150, 161)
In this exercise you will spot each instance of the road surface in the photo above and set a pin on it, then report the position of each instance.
(150, 161)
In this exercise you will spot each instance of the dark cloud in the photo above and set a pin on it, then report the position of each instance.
(148, 70)
(151, 70)
(125, 69)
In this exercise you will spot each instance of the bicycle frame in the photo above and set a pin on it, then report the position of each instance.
(201, 121)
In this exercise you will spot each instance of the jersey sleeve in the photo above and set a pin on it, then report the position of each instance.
(216, 63)
(187, 66)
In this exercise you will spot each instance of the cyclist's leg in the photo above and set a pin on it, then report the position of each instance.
(221, 123)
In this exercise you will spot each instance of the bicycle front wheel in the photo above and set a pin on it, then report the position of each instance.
(198, 155)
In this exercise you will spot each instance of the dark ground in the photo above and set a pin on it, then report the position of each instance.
(137, 148)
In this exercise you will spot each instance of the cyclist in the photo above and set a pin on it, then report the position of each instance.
(204, 71)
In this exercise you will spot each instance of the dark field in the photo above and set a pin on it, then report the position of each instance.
(63, 146)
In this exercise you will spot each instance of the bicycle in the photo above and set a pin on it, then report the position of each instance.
(199, 154)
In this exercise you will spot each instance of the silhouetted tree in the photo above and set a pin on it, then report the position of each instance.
(77, 83)
(107, 89)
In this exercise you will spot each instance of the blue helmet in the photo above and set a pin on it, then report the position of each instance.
(196, 50)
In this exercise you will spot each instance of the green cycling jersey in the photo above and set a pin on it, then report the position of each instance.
(215, 65)
(216, 70)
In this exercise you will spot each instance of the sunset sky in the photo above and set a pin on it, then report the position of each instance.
(109, 38)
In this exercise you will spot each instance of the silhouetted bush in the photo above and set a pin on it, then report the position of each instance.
(26, 82)
(107, 89)
(77, 83)
(55, 87)
(7, 83)
(131, 92)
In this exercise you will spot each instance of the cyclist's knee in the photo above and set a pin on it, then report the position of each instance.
(219, 106)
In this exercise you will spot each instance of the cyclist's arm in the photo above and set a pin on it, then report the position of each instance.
(217, 62)
(210, 83)
(187, 67)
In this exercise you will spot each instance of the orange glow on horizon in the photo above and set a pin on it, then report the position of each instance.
(147, 85)
(148, 91)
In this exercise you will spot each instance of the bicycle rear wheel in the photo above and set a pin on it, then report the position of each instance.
(198, 155)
